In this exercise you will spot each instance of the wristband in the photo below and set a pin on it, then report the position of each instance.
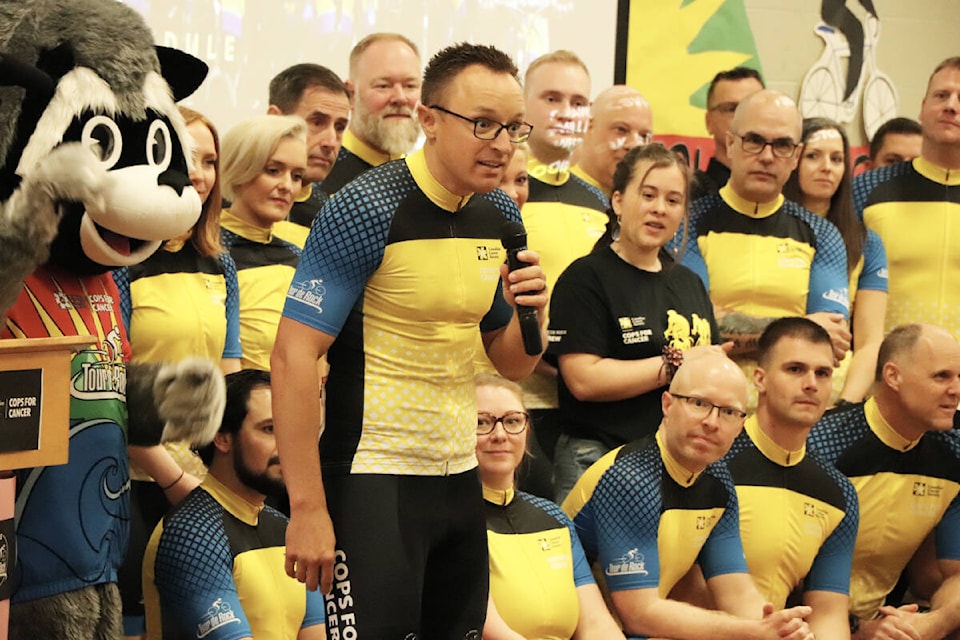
(172, 484)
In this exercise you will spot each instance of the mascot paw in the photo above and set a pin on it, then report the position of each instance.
(190, 396)
(72, 172)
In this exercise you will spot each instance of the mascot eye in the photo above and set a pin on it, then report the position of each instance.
(159, 147)
(102, 135)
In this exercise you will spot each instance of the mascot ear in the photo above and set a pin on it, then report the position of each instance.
(182, 71)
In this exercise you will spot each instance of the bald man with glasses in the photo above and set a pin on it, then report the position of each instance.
(761, 256)
(649, 510)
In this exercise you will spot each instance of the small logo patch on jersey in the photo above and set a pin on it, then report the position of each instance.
(489, 252)
(309, 292)
(924, 490)
(630, 563)
(218, 615)
(840, 296)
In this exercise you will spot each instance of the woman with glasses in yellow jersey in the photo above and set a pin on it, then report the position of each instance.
(540, 582)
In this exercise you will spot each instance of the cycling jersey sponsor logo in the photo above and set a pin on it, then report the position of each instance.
(630, 563)
(925, 490)
(489, 252)
(218, 615)
(102, 373)
(630, 335)
(838, 295)
(308, 292)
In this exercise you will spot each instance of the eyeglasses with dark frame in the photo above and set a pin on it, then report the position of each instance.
(514, 422)
(754, 144)
(701, 408)
(487, 129)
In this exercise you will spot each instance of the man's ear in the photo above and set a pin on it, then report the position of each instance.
(796, 155)
(351, 91)
(274, 110)
(665, 401)
(428, 121)
(758, 375)
(891, 375)
(223, 442)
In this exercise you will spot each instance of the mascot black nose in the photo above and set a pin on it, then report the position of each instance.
(177, 180)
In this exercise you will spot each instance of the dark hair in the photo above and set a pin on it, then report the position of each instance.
(450, 61)
(287, 87)
(239, 386)
(659, 157)
(902, 339)
(790, 327)
(732, 75)
(902, 126)
(841, 212)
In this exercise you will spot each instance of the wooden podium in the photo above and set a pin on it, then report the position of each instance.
(34, 426)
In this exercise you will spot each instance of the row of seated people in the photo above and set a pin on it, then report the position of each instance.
(692, 528)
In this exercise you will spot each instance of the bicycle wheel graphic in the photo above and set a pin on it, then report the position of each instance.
(879, 103)
(819, 94)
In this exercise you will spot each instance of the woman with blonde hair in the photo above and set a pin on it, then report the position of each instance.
(264, 159)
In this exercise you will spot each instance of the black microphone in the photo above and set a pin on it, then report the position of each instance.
(514, 239)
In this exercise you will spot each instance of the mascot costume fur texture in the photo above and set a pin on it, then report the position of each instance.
(94, 176)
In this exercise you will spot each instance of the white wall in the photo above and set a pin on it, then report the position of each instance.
(246, 42)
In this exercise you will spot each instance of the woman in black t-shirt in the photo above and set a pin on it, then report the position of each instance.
(623, 317)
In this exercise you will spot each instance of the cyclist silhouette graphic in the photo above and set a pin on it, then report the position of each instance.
(836, 14)
(824, 92)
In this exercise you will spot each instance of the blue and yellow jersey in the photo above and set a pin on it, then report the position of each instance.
(402, 272)
(180, 304)
(647, 519)
(564, 217)
(766, 260)
(915, 209)
(798, 517)
(264, 264)
(906, 490)
(536, 564)
(214, 569)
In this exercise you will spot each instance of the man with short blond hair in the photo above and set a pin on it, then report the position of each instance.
(564, 215)
(913, 207)
(384, 83)
(620, 119)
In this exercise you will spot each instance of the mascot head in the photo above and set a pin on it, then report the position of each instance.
(87, 72)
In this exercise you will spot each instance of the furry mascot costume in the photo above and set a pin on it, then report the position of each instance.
(93, 176)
